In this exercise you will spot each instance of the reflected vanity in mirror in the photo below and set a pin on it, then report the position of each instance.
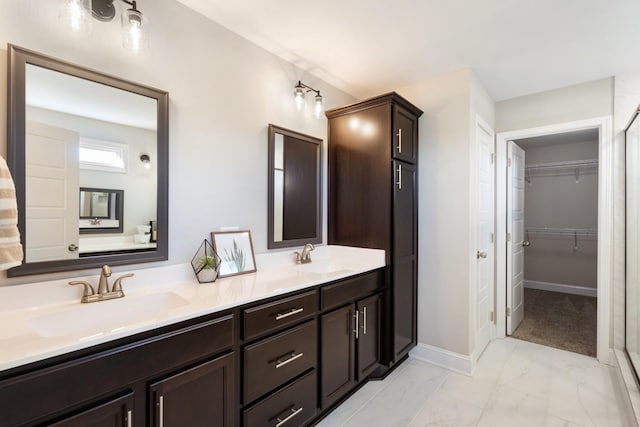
(75, 140)
(101, 211)
(295, 189)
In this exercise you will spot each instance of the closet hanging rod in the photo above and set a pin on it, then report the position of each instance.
(563, 165)
(563, 231)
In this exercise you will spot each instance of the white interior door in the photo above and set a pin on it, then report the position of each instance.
(515, 237)
(486, 252)
(52, 193)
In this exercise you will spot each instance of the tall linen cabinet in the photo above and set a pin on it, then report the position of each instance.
(373, 202)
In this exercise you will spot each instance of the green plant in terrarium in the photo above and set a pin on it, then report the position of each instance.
(208, 261)
(236, 256)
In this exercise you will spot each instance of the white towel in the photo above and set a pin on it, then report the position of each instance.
(10, 248)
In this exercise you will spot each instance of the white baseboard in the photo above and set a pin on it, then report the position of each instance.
(628, 388)
(441, 357)
(559, 287)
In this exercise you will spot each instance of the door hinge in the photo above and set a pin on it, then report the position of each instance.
(492, 158)
(509, 162)
(491, 237)
(508, 312)
(508, 237)
(491, 316)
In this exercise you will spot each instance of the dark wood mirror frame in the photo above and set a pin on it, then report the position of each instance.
(317, 206)
(118, 196)
(18, 58)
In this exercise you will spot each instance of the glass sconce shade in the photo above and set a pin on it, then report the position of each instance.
(318, 106)
(76, 15)
(134, 32)
(298, 92)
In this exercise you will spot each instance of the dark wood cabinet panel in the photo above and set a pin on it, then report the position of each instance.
(349, 290)
(272, 362)
(278, 314)
(369, 311)
(373, 202)
(337, 346)
(405, 232)
(405, 134)
(294, 405)
(200, 396)
(115, 413)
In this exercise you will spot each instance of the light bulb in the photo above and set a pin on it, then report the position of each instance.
(318, 106)
(298, 92)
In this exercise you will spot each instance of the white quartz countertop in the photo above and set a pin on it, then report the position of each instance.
(46, 319)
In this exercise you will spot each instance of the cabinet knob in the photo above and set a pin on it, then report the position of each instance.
(481, 255)
(72, 247)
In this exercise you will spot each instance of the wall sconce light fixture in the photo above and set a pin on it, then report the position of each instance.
(146, 161)
(134, 28)
(300, 90)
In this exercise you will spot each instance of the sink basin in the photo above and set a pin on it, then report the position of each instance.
(323, 267)
(88, 320)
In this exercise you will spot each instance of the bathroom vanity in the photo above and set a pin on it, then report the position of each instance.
(278, 347)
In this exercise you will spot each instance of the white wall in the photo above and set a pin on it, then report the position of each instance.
(582, 101)
(443, 213)
(223, 93)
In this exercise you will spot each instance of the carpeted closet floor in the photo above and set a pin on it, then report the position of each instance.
(564, 321)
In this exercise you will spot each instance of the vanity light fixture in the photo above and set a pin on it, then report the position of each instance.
(134, 31)
(299, 91)
(146, 161)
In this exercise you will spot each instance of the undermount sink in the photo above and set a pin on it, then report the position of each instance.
(323, 266)
(88, 320)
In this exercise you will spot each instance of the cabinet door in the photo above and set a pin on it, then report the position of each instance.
(116, 413)
(405, 135)
(338, 355)
(369, 311)
(405, 248)
(200, 396)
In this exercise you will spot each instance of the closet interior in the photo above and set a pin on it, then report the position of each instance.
(560, 240)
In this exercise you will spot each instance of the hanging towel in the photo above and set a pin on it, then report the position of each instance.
(10, 248)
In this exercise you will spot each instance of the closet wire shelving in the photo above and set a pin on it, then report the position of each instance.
(575, 167)
(573, 232)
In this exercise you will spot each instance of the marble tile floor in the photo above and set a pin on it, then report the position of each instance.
(516, 383)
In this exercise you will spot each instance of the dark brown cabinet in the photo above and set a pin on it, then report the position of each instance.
(350, 334)
(373, 202)
(200, 396)
(115, 413)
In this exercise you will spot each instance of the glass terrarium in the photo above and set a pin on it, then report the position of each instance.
(206, 263)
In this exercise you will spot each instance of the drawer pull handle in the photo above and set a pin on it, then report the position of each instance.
(399, 140)
(129, 419)
(280, 363)
(293, 311)
(364, 320)
(293, 413)
(357, 329)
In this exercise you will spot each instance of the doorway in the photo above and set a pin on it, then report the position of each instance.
(514, 280)
(552, 203)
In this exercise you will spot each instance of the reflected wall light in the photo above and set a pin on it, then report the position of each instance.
(300, 90)
(146, 161)
(134, 27)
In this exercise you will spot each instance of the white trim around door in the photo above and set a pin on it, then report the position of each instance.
(605, 221)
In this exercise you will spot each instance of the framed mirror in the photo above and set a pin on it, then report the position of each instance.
(101, 211)
(73, 135)
(295, 189)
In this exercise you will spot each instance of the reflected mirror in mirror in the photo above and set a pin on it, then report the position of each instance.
(295, 189)
(74, 135)
(100, 211)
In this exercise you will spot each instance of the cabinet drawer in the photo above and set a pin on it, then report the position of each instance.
(274, 361)
(350, 290)
(294, 405)
(272, 316)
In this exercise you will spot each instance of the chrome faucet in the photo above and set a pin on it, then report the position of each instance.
(305, 257)
(90, 295)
